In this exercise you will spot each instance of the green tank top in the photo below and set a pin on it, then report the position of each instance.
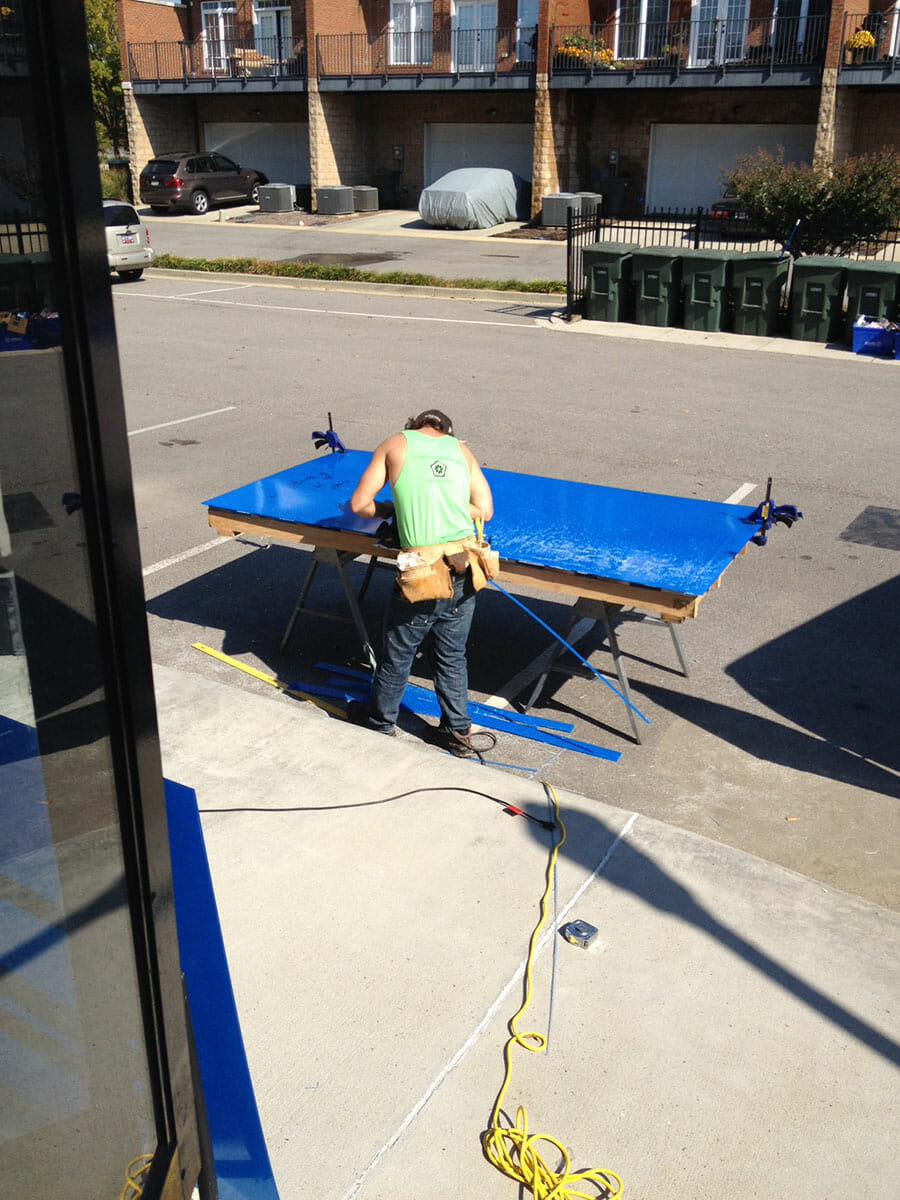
(431, 493)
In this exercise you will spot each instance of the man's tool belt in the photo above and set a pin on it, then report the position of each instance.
(433, 579)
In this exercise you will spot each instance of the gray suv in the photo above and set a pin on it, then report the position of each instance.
(194, 180)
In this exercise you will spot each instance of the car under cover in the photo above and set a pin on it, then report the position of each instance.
(472, 198)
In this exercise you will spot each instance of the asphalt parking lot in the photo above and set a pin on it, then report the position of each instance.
(732, 1023)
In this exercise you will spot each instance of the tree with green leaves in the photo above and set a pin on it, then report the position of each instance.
(106, 74)
(836, 204)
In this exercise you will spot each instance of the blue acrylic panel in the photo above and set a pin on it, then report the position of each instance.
(680, 545)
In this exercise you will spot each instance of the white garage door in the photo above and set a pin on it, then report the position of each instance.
(448, 147)
(280, 150)
(687, 162)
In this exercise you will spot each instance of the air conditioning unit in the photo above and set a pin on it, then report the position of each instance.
(365, 198)
(334, 200)
(277, 197)
(555, 206)
(590, 202)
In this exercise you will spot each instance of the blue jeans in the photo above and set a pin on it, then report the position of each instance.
(405, 628)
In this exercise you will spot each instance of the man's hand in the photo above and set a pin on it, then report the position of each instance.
(383, 509)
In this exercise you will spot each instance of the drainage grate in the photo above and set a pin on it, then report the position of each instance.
(875, 527)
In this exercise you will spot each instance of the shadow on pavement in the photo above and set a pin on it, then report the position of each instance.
(836, 675)
(633, 871)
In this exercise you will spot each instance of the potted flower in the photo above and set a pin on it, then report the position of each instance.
(860, 44)
(576, 50)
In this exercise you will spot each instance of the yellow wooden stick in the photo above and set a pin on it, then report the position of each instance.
(271, 680)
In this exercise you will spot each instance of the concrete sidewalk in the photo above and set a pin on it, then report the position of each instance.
(727, 1036)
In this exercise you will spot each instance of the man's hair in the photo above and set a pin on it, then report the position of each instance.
(433, 417)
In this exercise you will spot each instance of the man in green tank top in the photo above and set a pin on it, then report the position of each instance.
(438, 490)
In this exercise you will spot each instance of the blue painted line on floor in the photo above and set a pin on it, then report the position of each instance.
(243, 1170)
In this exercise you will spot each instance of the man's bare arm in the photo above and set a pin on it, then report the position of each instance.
(372, 480)
(481, 502)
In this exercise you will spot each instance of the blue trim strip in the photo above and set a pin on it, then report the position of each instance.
(475, 706)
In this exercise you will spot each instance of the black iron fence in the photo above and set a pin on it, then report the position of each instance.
(581, 230)
(688, 229)
(756, 42)
(426, 52)
(207, 59)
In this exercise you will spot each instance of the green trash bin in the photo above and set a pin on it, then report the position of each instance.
(757, 280)
(607, 269)
(817, 298)
(656, 272)
(705, 276)
(873, 290)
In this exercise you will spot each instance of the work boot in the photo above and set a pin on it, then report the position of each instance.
(458, 743)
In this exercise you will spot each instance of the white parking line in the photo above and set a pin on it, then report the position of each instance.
(177, 558)
(485, 1021)
(744, 490)
(338, 312)
(213, 412)
(233, 287)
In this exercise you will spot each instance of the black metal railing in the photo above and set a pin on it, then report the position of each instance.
(208, 59)
(22, 235)
(755, 42)
(871, 40)
(582, 229)
(426, 52)
(688, 229)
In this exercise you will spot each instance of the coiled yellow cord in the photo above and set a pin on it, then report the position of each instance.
(510, 1148)
(134, 1183)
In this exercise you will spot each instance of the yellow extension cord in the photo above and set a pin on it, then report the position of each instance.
(134, 1184)
(510, 1148)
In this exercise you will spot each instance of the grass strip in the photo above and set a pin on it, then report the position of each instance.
(295, 270)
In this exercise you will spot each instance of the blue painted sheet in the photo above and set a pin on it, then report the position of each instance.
(243, 1171)
(680, 545)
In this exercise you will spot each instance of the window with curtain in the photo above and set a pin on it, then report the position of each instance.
(412, 36)
(642, 28)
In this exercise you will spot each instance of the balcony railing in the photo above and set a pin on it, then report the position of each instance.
(207, 60)
(871, 40)
(756, 42)
(428, 52)
(766, 43)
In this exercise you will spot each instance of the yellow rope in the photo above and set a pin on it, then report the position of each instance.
(511, 1149)
(271, 680)
(134, 1184)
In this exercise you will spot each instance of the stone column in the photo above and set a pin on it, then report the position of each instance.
(823, 152)
(139, 148)
(545, 175)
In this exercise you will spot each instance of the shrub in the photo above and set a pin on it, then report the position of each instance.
(837, 205)
(115, 184)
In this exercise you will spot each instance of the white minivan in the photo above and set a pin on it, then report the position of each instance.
(128, 246)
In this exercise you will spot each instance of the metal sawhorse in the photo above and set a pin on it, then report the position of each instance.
(601, 612)
(324, 555)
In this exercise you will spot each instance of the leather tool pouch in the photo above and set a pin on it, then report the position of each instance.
(485, 563)
(431, 581)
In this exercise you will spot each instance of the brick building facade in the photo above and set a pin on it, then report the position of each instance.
(659, 95)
